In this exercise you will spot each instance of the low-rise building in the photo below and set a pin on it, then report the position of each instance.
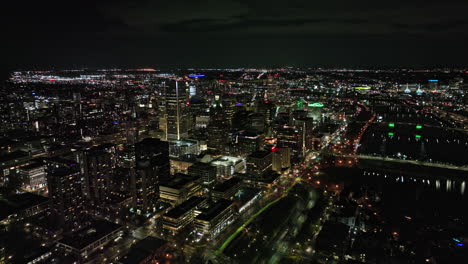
(205, 171)
(226, 166)
(246, 197)
(227, 189)
(33, 176)
(87, 240)
(179, 188)
(216, 218)
(20, 206)
(259, 162)
(182, 215)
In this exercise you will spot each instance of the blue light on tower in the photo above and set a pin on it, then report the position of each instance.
(196, 75)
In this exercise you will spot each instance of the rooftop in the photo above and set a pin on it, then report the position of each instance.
(214, 210)
(181, 209)
(32, 165)
(226, 160)
(18, 202)
(178, 181)
(84, 237)
(259, 154)
(224, 186)
(13, 155)
(244, 195)
(186, 142)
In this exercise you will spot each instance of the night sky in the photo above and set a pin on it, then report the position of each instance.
(232, 33)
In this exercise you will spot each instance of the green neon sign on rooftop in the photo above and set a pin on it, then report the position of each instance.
(316, 104)
(362, 88)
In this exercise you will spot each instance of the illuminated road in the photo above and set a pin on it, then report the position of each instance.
(246, 223)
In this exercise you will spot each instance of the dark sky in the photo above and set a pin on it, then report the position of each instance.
(211, 33)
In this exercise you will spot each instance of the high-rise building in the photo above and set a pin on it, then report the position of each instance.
(289, 137)
(217, 128)
(152, 165)
(65, 194)
(305, 127)
(246, 142)
(97, 165)
(177, 117)
(276, 159)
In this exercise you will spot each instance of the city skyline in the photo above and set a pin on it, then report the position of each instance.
(234, 131)
(136, 166)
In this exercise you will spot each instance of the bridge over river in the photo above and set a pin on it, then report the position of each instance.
(413, 162)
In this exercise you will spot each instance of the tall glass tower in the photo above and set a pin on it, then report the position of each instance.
(176, 112)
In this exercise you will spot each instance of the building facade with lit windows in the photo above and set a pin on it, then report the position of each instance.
(205, 171)
(227, 189)
(227, 166)
(34, 176)
(177, 118)
(179, 188)
(67, 204)
(97, 165)
(182, 215)
(212, 221)
(259, 162)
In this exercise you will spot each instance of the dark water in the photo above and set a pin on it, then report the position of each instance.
(434, 144)
(428, 194)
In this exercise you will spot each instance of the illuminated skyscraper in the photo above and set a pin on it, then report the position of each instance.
(217, 128)
(176, 114)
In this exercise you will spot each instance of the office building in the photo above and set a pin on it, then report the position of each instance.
(212, 221)
(281, 158)
(259, 162)
(227, 166)
(87, 240)
(227, 189)
(182, 215)
(217, 128)
(152, 165)
(180, 148)
(18, 207)
(177, 117)
(205, 171)
(179, 188)
(245, 142)
(33, 176)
